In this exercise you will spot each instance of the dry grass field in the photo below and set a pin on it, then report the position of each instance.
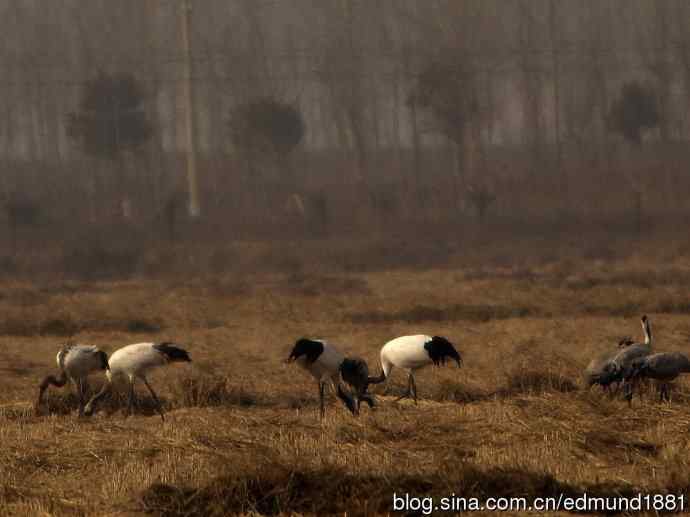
(242, 434)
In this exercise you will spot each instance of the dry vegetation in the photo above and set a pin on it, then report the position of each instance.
(243, 435)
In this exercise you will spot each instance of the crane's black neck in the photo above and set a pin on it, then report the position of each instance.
(440, 349)
(309, 348)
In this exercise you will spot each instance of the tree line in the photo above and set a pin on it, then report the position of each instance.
(329, 115)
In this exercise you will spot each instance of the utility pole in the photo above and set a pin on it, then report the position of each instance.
(190, 129)
(555, 64)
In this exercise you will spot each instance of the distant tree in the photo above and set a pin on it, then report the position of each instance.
(173, 208)
(267, 125)
(446, 88)
(310, 211)
(384, 200)
(111, 117)
(531, 83)
(635, 110)
(21, 212)
(481, 197)
(111, 120)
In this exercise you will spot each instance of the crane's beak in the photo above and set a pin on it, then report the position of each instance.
(459, 361)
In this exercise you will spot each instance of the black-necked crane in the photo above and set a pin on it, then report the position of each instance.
(326, 364)
(134, 362)
(75, 363)
(355, 372)
(412, 353)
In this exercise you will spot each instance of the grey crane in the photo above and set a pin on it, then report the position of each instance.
(603, 371)
(614, 367)
(631, 351)
(664, 367)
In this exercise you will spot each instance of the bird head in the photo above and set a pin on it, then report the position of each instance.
(172, 352)
(647, 330)
(291, 358)
(309, 348)
(296, 352)
(610, 373)
(440, 350)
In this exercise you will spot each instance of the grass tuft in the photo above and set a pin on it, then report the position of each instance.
(210, 391)
(536, 381)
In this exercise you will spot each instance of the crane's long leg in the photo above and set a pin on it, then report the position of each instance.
(98, 396)
(413, 386)
(155, 398)
(86, 387)
(663, 392)
(386, 389)
(130, 401)
(614, 391)
(322, 388)
(628, 393)
(50, 380)
(382, 378)
(409, 389)
(80, 393)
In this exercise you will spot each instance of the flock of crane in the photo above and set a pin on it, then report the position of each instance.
(633, 362)
(130, 363)
(626, 366)
(322, 360)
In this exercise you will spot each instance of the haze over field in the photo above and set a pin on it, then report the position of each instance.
(300, 119)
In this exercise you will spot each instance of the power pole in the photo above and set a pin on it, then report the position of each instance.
(190, 129)
(555, 65)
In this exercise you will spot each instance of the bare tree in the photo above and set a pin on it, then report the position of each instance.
(635, 111)
(447, 88)
(341, 70)
(266, 126)
(556, 74)
(110, 122)
(532, 84)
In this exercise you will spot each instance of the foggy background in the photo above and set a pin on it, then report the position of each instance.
(137, 133)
